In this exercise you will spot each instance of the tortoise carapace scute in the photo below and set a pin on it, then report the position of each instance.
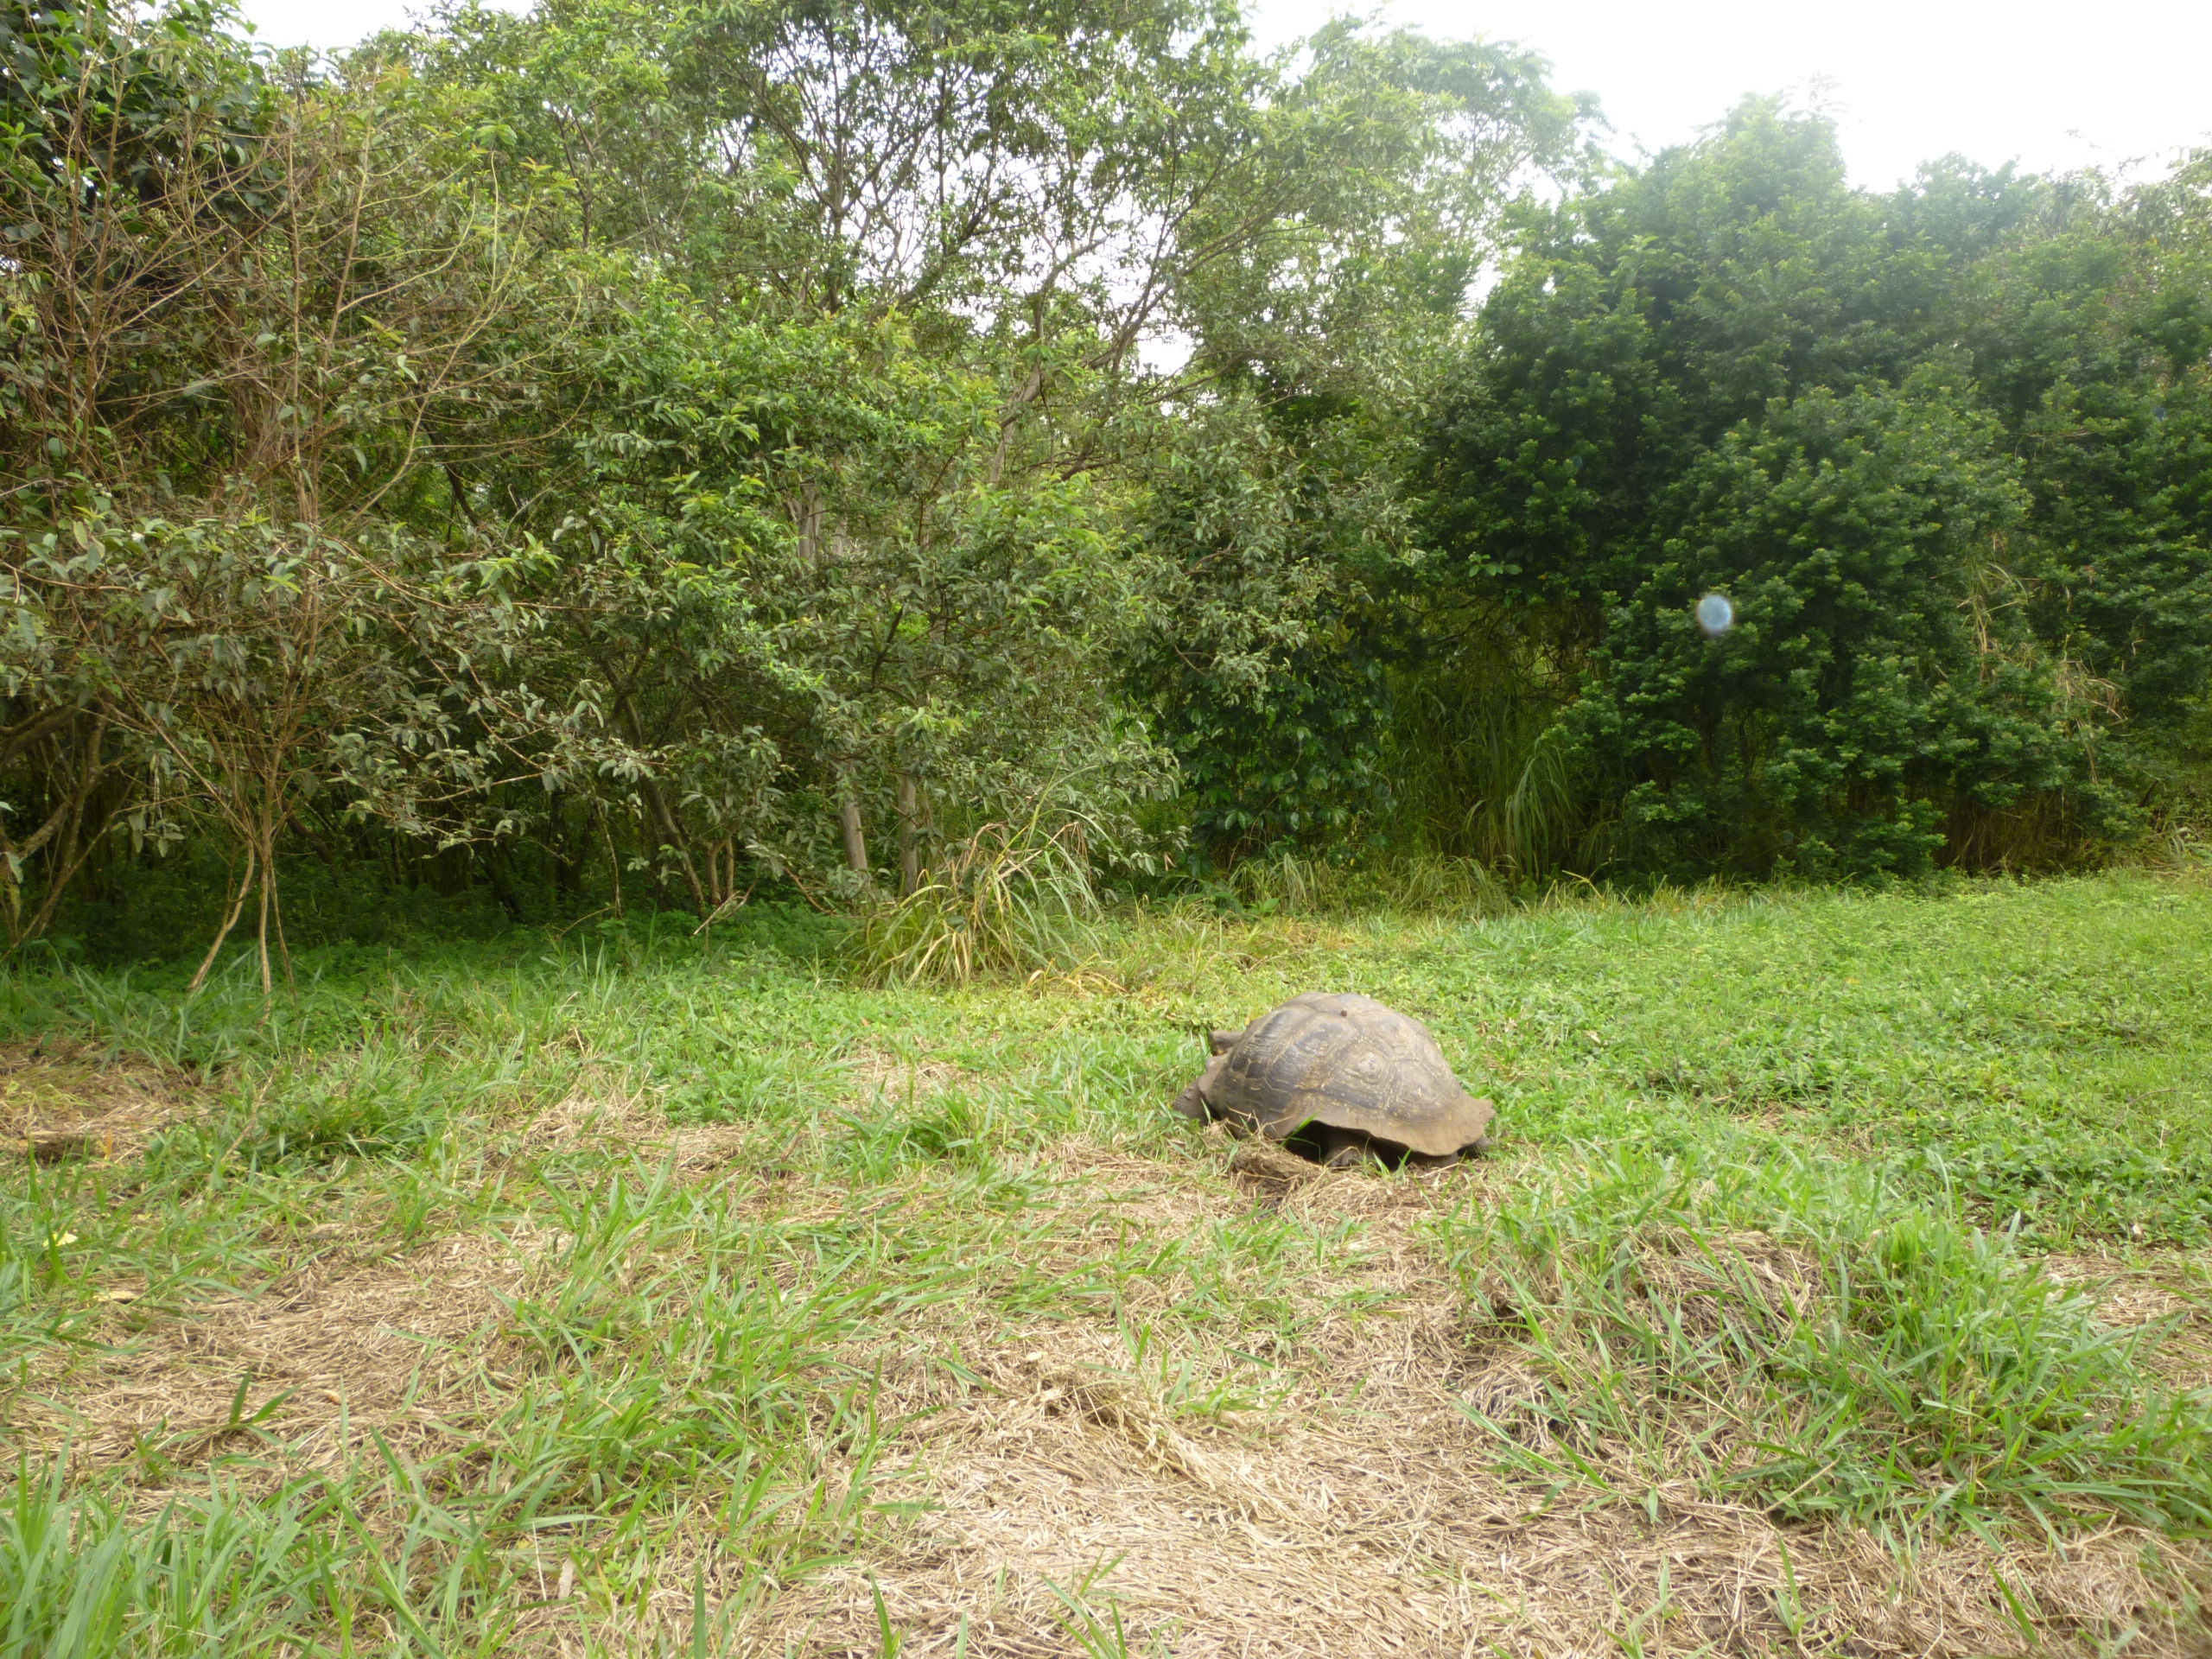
(1345, 1063)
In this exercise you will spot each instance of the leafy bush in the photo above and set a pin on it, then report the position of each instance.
(1853, 707)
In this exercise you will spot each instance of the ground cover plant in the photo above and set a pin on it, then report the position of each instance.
(1841, 1283)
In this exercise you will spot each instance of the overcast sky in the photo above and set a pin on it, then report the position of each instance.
(2047, 85)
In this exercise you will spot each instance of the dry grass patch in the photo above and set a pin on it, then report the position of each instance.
(60, 1099)
(1078, 1503)
(301, 1373)
(600, 1113)
(2171, 1288)
(875, 1074)
(353, 1341)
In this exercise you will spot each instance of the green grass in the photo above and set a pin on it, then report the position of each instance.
(1748, 1324)
(1773, 1174)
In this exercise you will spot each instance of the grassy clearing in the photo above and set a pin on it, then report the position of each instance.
(1841, 1283)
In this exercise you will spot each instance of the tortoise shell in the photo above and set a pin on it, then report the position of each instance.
(1346, 1062)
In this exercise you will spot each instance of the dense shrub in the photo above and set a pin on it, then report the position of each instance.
(1940, 450)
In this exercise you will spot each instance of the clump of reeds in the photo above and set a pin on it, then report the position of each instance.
(1013, 896)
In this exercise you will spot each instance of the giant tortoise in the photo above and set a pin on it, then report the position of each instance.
(1339, 1077)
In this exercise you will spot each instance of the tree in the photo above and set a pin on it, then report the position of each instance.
(254, 322)
(1279, 518)
(983, 235)
(2091, 335)
(1731, 371)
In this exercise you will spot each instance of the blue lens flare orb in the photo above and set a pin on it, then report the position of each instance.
(1715, 615)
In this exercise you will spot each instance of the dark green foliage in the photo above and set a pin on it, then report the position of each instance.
(1940, 450)
(1853, 705)
(99, 112)
(1297, 765)
(565, 448)
(1279, 519)
(2094, 345)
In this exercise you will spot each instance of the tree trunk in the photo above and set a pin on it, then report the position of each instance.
(614, 859)
(75, 847)
(848, 812)
(910, 834)
(672, 840)
(260, 936)
(276, 916)
(237, 904)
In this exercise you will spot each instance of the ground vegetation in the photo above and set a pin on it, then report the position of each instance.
(1838, 1280)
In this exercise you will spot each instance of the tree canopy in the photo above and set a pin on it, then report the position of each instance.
(688, 449)
(1931, 445)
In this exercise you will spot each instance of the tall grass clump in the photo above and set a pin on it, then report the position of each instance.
(1806, 1336)
(1010, 898)
(1420, 883)
(1481, 768)
(217, 1574)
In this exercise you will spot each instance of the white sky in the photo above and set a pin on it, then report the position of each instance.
(2050, 84)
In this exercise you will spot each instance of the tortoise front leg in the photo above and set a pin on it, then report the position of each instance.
(1343, 1148)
